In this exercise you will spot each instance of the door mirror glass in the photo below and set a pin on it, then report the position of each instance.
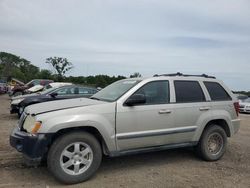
(136, 99)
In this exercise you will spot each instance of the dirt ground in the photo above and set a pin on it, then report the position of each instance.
(171, 168)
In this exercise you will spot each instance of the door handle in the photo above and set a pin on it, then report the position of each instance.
(165, 111)
(204, 108)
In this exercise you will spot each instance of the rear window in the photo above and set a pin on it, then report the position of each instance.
(188, 91)
(217, 92)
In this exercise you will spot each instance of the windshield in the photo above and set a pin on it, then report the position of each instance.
(115, 91)
(247, 100)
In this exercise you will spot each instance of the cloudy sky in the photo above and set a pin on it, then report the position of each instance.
(119, 37)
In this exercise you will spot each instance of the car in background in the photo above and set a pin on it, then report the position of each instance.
(39, 88)
(57, 84)
(64, 92)
(3, 88)
(241, 97)
(20, 89)
(32, 92)
(244, 105)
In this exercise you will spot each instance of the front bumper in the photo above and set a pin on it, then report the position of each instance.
(34, 147)
(244, 110)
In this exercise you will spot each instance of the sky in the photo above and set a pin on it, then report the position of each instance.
(120, 37)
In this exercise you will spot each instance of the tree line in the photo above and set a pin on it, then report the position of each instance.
(13, 66)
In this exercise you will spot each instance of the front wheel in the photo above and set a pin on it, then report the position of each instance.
(212, 144)
(75, 157)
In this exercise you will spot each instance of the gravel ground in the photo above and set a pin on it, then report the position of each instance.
(172, 168)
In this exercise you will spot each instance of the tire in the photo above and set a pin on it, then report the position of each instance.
(212, 144)
(61, 153)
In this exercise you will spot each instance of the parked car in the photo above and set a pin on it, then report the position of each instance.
(39, 88)
(57, 84)
(3, 88)
(19, 89)
(245, 105)
(129, 116)
(16, 100)
(64, 92)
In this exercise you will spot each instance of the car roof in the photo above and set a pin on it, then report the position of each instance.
(194, 78)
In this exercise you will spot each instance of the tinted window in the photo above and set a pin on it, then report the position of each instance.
(86, 91)
(216, 91)
(65, 91)
(156, 92)
(188, 91)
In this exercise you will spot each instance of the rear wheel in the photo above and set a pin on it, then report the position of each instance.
(74, 157)
(212, 144)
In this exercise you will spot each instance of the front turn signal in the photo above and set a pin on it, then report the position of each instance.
(37, 126)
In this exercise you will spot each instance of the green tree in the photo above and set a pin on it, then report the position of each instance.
(14, 66)
(135, 75)
(45, 74)
(61, 65)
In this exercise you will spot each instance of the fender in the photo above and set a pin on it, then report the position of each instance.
(105, 125)
(210, 116)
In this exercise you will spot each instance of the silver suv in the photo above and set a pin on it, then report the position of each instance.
(129, 116)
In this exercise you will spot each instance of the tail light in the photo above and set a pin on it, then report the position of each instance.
(237, 108)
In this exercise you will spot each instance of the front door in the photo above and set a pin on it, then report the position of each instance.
(148, 124)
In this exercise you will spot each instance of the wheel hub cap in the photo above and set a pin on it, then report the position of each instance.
(215, 143)
(76, 158)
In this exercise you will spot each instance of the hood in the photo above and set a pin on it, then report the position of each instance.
(60, 105)
(36, 88)
(245, 103)
(24, 96)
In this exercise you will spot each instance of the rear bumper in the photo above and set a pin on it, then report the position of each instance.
(33, 147)
(235, 126)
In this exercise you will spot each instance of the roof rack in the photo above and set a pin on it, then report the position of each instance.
(186, 75)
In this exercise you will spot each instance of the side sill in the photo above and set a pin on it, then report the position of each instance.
(151, 149)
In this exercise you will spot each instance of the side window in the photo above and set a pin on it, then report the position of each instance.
(217, 92)
(188, 91)
(84, 91)
(65, 91)
(156, 92)
(36, 82)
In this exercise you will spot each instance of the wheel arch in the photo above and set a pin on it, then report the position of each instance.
(89, 129)
(219, 122)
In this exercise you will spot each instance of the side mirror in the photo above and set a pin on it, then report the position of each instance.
(135, 99)
(53, 94)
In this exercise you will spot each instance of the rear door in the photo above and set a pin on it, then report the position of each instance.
(220, 99)
(191, 104)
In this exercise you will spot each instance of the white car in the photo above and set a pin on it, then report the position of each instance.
(57, 84)
(245, 105)
(127, 117)
(35, 89)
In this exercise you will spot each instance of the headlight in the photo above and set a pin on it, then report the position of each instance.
(17, 101)
(31, 125)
